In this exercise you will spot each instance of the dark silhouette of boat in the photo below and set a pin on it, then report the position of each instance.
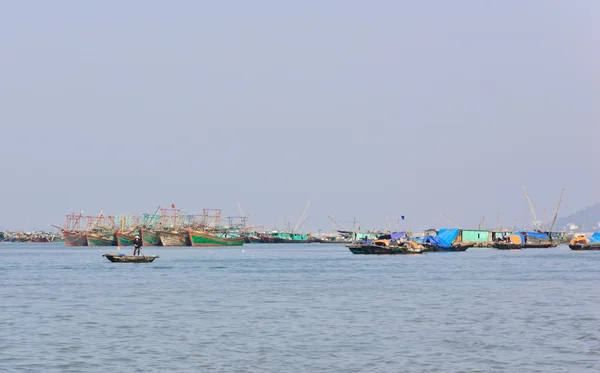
(393, 243)
(583, 243)
(122, 258)
(507, 246)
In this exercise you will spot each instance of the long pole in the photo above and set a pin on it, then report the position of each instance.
(301, 217)
(535, 221)
(448, 220)
(557, 207)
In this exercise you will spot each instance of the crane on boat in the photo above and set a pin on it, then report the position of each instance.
(536, 222)
(556, 212)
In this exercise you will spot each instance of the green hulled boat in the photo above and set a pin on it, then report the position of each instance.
(125, 239)
(100, 239)
(199, 238)
(150, 237)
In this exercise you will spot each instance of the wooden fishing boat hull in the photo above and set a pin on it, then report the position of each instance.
(149, 237)
(97, 240)
(507, 246)
(252, 239)
(382, 250)
(173, 238)
(125, 239)
(285, 240)
(267, 239)
(463, 246)
(203, 239)
(120, 258)
(75, 238)
(584, 247)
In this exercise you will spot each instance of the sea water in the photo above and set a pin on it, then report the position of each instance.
(298, 308)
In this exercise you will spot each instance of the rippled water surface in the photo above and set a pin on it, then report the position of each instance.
(298, 308)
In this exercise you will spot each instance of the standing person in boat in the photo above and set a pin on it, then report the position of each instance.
(137, 245)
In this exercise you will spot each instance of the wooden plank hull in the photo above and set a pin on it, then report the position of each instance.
(252, 239)
(267, 239)
(507, 246)
(285, 240)
(99, 240)
(75, 238)
(149, 237)
(382, 250)
(125, 239)
(120, 258)
(462, 246)
(173, 238)
(197, 238)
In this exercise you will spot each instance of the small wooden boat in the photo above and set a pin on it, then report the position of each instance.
(459, 246)
(122, 258)
(583, 243)
(585, 247)
(370, 249)
(507, 246)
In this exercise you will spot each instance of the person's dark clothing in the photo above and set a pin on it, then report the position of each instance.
(137, 245)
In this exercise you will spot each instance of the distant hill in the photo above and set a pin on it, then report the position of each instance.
(586, 220)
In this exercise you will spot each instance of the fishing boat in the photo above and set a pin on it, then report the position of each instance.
(507, 246)
(75, 238)
(330, 239)
(371, 249)
(150, 237)
(285, 237)
(72, 232)
(583, 243)
(202, 238)
(122, 258)
(387, 244)
(252, 237)
(535, 240)
(267, 238)
(100, 239)
(560, 238)
(173, 238)
(513, 241)
(446, 239)
(125, 239)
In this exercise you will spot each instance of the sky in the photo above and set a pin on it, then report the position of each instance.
(370, 110)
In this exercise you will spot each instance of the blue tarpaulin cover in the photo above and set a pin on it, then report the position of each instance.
(444, 238)
(447, 236)
(595, 237)
(537, 235)
(398, 235)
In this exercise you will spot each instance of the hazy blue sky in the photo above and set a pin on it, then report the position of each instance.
(369, 109)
